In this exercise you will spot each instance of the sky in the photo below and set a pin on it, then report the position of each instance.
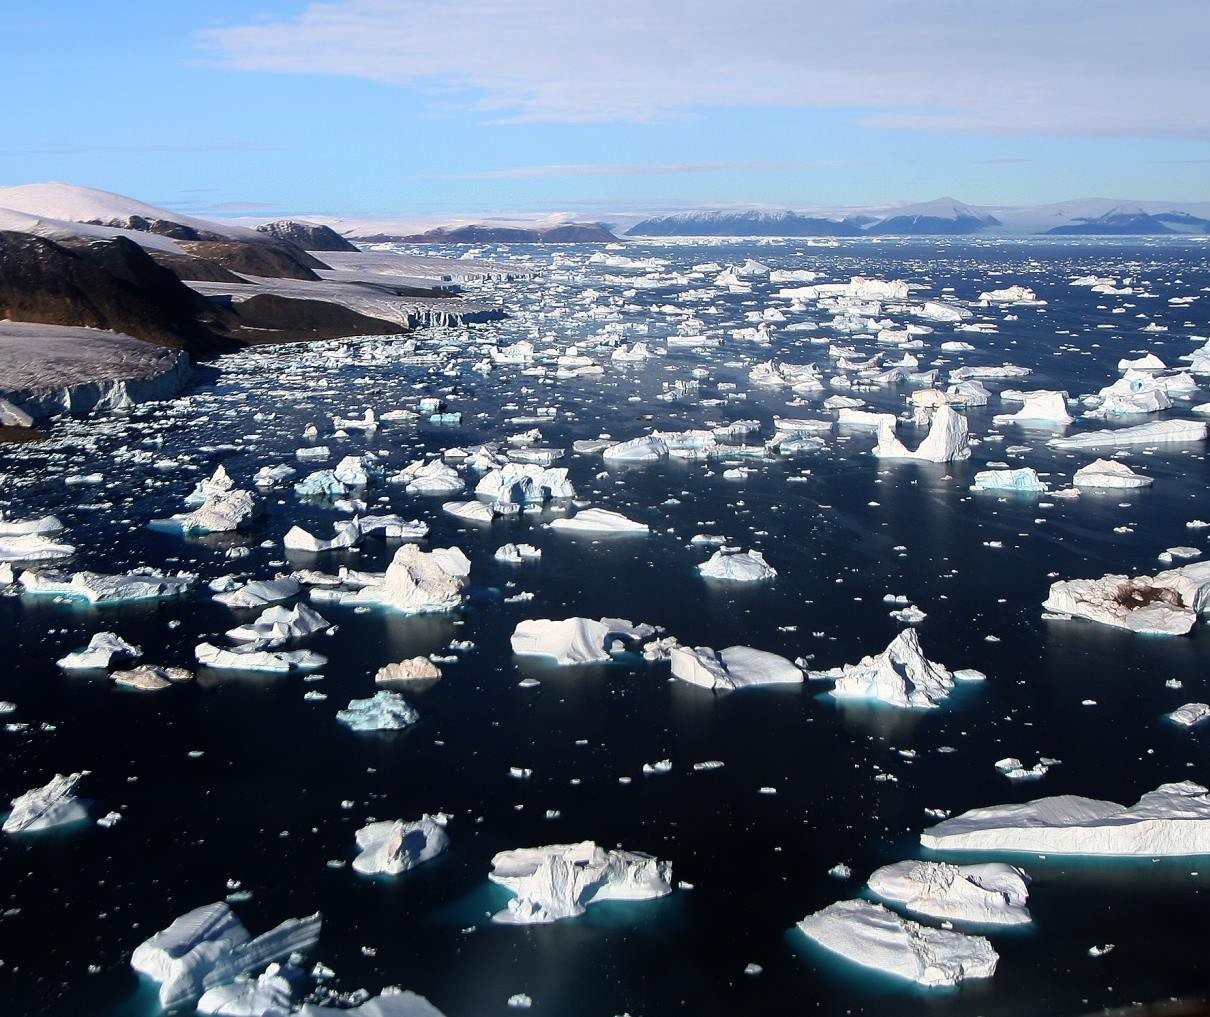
(395, 107)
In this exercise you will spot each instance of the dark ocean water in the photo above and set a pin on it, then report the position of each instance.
(265, 805)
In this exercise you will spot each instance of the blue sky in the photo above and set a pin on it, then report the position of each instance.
(366, 107)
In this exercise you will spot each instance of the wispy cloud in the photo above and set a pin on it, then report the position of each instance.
(971, 66)
(637, 169)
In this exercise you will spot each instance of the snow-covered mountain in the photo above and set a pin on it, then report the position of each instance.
(751, 223)
(944, 216)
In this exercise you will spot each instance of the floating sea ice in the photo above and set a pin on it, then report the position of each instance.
(101, 589)
(393, 846)
(102, 650)
(218, 483)
(515, 554)
(151, 677)
(42, 808)
(899, 676)
(993, 894)
(1023, 481)
(416, 582)
(1155, 432)
(412, 669)
(391, 1003)
(209, 947)
(270, 476)
(1012, 768)
(269, 995)
(946, 440)
(1172, 820)
(525, 483)
(254, 658)
(596, 520)
(221, 512)
(278, 625)
(875, 937)
(383, 711)
(561, 880)
(260, 592)
(741, 567)
(33, 547)
(1010, 295)
(1149, 362)
(347, 534)
(1164, 604)
(1108, 474)
(637, 450)
(1041, 407)
(433, 477)
(733, 668)
(471, 511)
(1190, 714)
(46, 526)
(575, 640)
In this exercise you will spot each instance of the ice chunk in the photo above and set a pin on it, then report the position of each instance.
(253, 657)
(151, 677)
(946, 440)
(1164, 604)
(1108, 474)
(1023, 481)
(1041, 407)
(42, 808)
(416, 582)
(347, 534)
(46, 526)
(218, 483)
(574, 640)
(266, 996)
(993, 894)
(260, 592)
(278, 625)
(733, 668)
(33, 547)
(515, 554)
(1172, 820)
(596, 520)
(637, 450)
(383, 711)
(410, 670)
(392, 847)
(742, 567)
(901, 676)
(1189, 714)
(875, 937)
(525, 483)
(102, 650)
(1155, 432)
(101, 589)
(221, 512)
(209, 947)
(561, 880)
(389, 1004)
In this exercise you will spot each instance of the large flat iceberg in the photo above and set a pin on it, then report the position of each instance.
(992, 894)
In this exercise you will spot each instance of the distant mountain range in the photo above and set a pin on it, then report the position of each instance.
(477, 233)
(943, 217)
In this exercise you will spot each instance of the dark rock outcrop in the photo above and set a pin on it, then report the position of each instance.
(307, 235)
(268, 258)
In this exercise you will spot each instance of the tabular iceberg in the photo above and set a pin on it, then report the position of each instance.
(596, 520)
(561, 880)
(1156, 432)
(993, 894)
(42, 808)
(1108, 475)
(1172, 820)
(575, 640)
(733, 668)
(875, 937)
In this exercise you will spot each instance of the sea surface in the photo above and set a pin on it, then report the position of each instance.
(237, 781)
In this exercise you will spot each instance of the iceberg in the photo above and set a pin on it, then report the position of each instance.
(393, 846)
(1190, 714)
(1022, 481)
(347, 533)
(209, 947)
(434, 477)
(900, 676)
(992, 894)
(151, 677)
(278, 625)
(1164, 604)
(515, 554)
(875, 937)
(740, 567)
(411, 670)
(524, 484)
(260, 592)
(1155, 432)
(266, 996)
(946, 440)
(638, 450)
(42, 808)
(218, 483)
(733, 668)
(561, 880)
(221, 512)
(416, 582)
(390, 1004)
(101, 589)
(253, 657)
(383, 711)
(33, 547)
(1171, 821)
(596, 520)
(1105, 474)
(102, 650)
(575, 640)
(1041, 407)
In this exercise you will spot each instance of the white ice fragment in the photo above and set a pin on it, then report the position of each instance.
(738, 567)
(993, 894)
(52, 805)
(102, 650)
(732, 668)
(394, 846)
(383, 711)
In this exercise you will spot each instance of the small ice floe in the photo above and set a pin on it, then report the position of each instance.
(102, 650)
(1100, 951)
(393, 846)
(1106, 474)
(873, 936)
(737, 567)
(1012, 768)
(596, 520)
(252, 657)
(561, 880)
(383, 711)
(576, 640)
(515, 554)
(992, 894)
(733, 668)
(1189, 715)
(43, 808)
